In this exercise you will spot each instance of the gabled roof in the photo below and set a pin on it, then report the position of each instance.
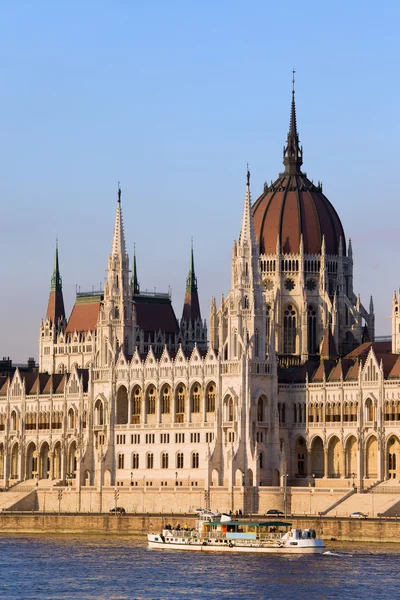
(154, 314)
(362, 351)
(4, 384)
(84, 315)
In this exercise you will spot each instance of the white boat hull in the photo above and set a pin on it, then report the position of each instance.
(302, 547)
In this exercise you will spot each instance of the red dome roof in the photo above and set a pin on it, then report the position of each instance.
(293, 205)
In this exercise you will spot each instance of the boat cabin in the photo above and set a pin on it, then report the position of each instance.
(246, 530)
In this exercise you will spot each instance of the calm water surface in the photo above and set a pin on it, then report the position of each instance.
(121, 567)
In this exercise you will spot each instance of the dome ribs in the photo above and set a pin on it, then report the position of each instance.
(280, 232)
(292, 206)
(290, 229)
(267, 244)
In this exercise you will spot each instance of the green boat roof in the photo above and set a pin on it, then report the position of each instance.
(257, 523)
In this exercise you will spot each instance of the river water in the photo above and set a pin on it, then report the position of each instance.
(97, 567)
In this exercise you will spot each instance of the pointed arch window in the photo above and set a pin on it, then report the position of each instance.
(267, 323)
(234, 343)
(289, 330)
(312, 329)
(246, 302)
(256, 343)
(260, 410)
(230, 410)
(210, 406)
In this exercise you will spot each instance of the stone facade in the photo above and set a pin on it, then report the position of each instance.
(129, 398)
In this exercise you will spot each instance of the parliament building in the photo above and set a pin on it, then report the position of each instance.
(286, 385)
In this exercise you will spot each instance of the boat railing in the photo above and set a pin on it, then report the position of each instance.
(182, 533)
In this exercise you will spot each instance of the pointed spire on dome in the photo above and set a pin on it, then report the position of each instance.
(134, 281)
(118, 244)
(293, 152)
(247, 230)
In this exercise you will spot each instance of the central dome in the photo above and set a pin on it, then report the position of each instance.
(293, 206)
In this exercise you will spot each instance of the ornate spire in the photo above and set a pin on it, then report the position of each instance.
(55, 307)
(56, 281)
(191, 306)
(118, 244)
(134, 281)
(293, 152)
(247, 230)
(191, 280)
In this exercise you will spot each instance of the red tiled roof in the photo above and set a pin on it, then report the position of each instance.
(363, 350)
(4, 384)
(83, 317)
(395, 370)
(55, 307)
(353, 372)
(328, 346)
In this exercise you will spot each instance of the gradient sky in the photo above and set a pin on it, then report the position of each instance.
(173, 98)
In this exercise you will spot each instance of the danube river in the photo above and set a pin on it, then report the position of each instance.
(72, 567)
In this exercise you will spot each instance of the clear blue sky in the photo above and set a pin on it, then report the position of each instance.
(172, 98)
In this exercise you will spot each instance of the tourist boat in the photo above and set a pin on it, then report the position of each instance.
(222, 533)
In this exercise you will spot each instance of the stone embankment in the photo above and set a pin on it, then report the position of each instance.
(341, 529)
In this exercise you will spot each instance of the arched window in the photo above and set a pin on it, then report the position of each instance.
(165, 401)
(71, 418)
(246, 302)
(196, 399)
(234, 343)
(13, 420)
(195, 460)
(256, 342)
(289, 330)
(164, 460)
(121, 460)
(369, 406)
(210, 405)
(179, 460)
(136, 406)
(151, 401)
(99, 412)
(135, 461)
(180, 400)
(230, 409)
(267, 323)
(261, 460)
(312, 329)
(260, 410)
(150, 460)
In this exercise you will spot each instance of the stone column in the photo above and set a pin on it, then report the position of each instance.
(130, 400)
(326, 474)
(51, 464)
(360, 464)
(309, 462)
(381, 458)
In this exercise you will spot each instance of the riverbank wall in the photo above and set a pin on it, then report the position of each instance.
(363, 530)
